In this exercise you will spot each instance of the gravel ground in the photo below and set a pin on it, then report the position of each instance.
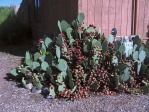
(17, 99)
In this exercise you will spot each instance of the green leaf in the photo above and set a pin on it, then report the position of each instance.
(75, 87)
(64, 74)
(23, 81)
(52, 91)
(59, 78)
(35, 65)
(75, 26)
(36, 56)
(84, 26)
(147, 45)
(85, 48)
(65, 48)
(59, 25)
(118, 55)
(48, 59)
(43, 49)
(71, 83)
(117, 44)
(14, 72)
(122, 49)
(125, 76)
(99, 30)
(80, 35)
(28, 59)
(44, 66)
(110, 39)
(28, 62)
(138, 67)
(115, 60)
(38, 85)
(42, 58)
(48, 71)
(71, 41)
(104, 46)
(27, 56)
(130, 52)
(69, 31)
(96, 43)
(23, 70)
(62, 65)
(81, 17)
(64, 25)
(143, 68)
(141, 49)
(90, 29)
(135, 55)
(61, 87)
(47, 42)
(121, 67)
(147, 52)
(135, 47)
(117, 80)
(58, 52)
(142, 56)
(136, 39)
(59, 41)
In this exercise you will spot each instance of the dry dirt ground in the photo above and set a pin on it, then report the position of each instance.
(17, 99)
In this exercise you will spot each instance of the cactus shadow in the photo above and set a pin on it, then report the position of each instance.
(16, 79)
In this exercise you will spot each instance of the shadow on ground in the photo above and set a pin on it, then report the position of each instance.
(9, 77)
(17, 50)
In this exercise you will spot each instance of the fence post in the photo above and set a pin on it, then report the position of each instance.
(136, 16)
(132, 18)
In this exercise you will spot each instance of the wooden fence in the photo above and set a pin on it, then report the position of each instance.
(116, 13)
(128, 16)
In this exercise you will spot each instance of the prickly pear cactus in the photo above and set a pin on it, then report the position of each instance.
(81, 60)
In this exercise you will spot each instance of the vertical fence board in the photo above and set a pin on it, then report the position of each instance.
(98, 9)
(129, 17)
(141, 17)
(83, 8)
(108, 14)
(118, 16)
(124, 18)
(112, 9)
(146, 17)
(101, 13)
(105, 17)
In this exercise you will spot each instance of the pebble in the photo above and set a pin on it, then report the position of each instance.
(29, 86)
(33, 90)
(38, 91)
(49, 97)
(45, 91)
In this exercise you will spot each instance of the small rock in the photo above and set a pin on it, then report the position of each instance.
(49, 97)
(29, 86)
(45, 91)
(38, 91)
(33, 90)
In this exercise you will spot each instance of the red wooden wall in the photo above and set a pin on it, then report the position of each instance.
(142, 17)
(102, 13)
(108, 14)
